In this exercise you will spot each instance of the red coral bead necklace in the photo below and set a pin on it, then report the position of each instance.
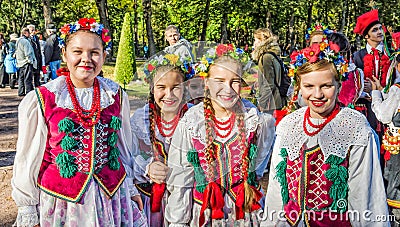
(89, 117)
(319, 127)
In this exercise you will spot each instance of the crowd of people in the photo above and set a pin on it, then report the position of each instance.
(195, 153)
(28, 59)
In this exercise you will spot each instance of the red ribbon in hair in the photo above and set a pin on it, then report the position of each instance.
(240, 201)
(213, 199)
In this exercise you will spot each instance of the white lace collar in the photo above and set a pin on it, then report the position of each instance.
(108, 89)
(348, 128)
(194, 121)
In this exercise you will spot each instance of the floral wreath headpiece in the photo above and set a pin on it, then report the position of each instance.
(318, 27)
(89, 24)
(173, 60)
(202, 67)
(316, 52)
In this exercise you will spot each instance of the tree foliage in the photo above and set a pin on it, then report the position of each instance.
(233, 20)
(125, 67)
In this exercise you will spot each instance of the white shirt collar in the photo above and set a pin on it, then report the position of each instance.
(379, 47)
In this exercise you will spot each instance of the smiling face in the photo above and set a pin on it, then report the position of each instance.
(224, 84)
(85, 56)
(319, 90)
(168, 91)
(375, 35)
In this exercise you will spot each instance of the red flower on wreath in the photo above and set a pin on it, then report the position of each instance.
(223, 49)
(105, 37)
(311, 53)
(334, 47)
(293, 57)
(86, 22)
(150, 67)
(65, 29)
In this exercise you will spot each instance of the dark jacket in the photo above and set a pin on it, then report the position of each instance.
(52, 51)
(36, 49)
(269, 96)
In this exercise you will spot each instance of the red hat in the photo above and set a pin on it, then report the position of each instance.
(366, 21)
(396, 41)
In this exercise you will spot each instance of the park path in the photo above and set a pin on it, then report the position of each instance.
(9, 101)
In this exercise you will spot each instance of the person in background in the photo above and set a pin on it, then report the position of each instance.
(266, 53)
(52, 51)
(26, 62)
(10, 62)
(4, 80)
(34, 39)
(177, 44)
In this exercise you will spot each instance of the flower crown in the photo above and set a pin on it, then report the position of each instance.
(328, 51)
(201, 68)
(318, 27)
(89, 24)
(150, 67)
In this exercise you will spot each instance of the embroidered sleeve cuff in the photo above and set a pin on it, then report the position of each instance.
(27, 216)
(376, 94)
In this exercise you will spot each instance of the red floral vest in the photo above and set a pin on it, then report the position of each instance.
(74, 154)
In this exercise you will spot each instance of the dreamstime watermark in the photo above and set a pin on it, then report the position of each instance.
(332, 215)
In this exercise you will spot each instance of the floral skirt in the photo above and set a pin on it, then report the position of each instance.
(95, 209)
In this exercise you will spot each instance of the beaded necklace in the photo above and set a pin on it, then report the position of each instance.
(90, 117)
(307, 120)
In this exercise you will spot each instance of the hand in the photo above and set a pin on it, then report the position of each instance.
(375, 83)
(367, 85)
(158, 172)
(138, 200)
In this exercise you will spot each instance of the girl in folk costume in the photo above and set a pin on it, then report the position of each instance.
(387, 111)
(153, 126)
(325, 160)
(72, 162)
(217, 149)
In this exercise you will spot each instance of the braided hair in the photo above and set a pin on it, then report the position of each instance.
(209, 115)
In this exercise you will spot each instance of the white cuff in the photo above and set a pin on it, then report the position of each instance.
(27, 216)
(178, 225)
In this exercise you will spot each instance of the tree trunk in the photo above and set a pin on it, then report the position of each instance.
(47, 12)
(149, 30)
(291, 33)
(268, 20)
(102, 8)
(224, 25)
(344, 13)
(205, 21)
(135, 27)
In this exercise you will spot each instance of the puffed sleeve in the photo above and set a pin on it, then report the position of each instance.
(125, 143)
(265, 141)
(32, 133)
(273, 209)
(180, 182)
(141, 163)
(366, 189)
(385, 109)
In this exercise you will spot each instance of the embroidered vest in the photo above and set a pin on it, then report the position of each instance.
(75, 154)
(311, 183)
(228, 158)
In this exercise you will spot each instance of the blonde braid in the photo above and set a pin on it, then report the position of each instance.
(208, 116)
